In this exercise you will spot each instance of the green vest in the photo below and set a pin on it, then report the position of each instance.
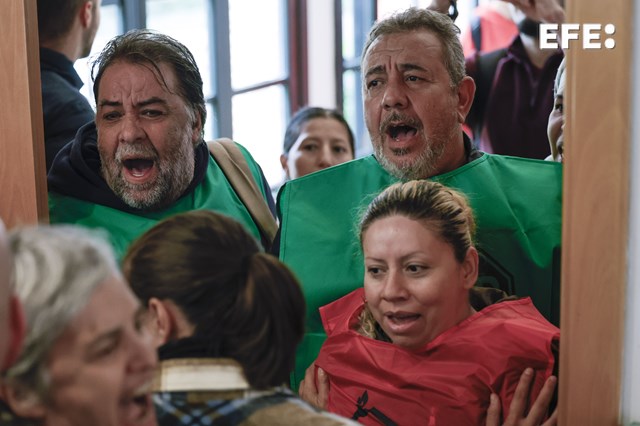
(122, 228)
(517, 204)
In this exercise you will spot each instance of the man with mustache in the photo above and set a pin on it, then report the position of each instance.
(416, 98)
(144, 158)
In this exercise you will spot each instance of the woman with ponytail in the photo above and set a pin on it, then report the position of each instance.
(226, 319)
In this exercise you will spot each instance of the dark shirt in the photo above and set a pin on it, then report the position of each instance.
(518, 105)
(64, 108)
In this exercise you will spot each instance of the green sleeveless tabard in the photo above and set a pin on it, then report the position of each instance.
(213, 193)
(517, 204)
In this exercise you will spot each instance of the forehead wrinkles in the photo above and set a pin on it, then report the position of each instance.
(132, 80)
(387, 51)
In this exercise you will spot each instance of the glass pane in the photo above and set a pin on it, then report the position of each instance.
(350, 98)
(211, 126)
(353, 111)
(259, 124)
(258, 41)
(188, 22)
(110, 26)
(388, 7)
(348, 29)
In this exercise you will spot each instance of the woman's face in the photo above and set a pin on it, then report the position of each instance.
(323, 142)
(555, 127)
(101, 367)
(414, 286)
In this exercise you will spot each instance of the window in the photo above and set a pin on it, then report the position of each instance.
(250, 55)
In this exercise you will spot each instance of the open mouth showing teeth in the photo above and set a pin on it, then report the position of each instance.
(401, 132)
(138, 166)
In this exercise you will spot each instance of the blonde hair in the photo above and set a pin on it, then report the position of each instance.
(443, 210)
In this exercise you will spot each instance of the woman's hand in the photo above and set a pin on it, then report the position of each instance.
(519, 404)
(314, 388)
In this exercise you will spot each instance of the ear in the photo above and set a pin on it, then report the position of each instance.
(470, 268)
(466, 90)
(160, 322)
(17, 328)
(196, 138)
(22, 402)
(284, 162)
(86, 14)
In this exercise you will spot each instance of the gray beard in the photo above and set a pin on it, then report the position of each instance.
(424, 166)
(175, 173)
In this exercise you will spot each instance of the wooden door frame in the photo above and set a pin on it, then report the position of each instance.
(23, 185)
(595, 218)
(596, 193)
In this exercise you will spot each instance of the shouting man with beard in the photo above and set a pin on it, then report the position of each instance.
(144, 158)
(416, 98)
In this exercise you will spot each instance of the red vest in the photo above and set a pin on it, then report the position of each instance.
(449, 380)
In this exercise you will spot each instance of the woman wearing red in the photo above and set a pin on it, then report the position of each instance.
(409, 348)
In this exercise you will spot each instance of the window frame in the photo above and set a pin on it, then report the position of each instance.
(295, 82)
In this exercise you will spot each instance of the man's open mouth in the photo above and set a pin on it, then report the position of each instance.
(401, 132)
(138, 167)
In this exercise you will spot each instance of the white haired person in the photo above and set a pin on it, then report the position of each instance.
(86, 359)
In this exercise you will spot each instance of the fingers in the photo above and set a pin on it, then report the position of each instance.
(541, 405)
(520, 397)
(314, 388)
(553, 420)
(493, 413)
(323, 389)
(307, 390)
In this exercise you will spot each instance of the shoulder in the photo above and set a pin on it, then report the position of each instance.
(518, 318)
(293, 411)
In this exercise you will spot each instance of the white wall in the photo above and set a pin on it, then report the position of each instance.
(631, 367)
(321, 47)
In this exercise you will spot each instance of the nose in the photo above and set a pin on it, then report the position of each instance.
(394, 95)
(131, 131)
(326, 157)
(394, 287)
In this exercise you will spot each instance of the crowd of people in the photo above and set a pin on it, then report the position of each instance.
(419, 284)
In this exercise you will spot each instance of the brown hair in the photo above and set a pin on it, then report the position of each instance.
(245, 301)
(414, 19)
(305, 115)
(55, 17)
(151, 48)
(443, 210)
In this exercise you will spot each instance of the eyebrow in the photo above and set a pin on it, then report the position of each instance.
(380, 69)
(146, 102)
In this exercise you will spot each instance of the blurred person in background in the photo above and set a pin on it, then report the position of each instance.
(66, 30)
(86, 359)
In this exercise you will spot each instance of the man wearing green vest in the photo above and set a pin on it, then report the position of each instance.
(416, 98)
(144, 158)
